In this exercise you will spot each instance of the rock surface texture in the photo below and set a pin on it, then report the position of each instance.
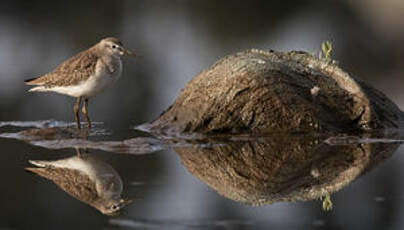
(267, 91)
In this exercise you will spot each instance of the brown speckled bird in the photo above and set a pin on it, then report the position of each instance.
(84, 75)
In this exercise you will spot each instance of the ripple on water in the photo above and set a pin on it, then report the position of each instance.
(52, 134)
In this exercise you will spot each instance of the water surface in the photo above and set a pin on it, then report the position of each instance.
(222, 182)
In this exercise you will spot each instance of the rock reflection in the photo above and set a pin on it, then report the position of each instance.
(282, 168)
(87, 179)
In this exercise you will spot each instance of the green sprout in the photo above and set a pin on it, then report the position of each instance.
(326, 47)
(327, 203)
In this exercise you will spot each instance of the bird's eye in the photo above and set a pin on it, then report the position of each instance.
(113, 46)
(114, 207)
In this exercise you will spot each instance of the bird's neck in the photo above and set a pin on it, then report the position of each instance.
(110, 59)
(112, 63)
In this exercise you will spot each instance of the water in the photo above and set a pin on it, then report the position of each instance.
(222, 182)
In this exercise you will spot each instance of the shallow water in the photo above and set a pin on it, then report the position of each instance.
(222, 182)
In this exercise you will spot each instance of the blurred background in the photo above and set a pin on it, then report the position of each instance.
(176, 40)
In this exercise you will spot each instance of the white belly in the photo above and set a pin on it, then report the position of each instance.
(91, 87)
(94, 85)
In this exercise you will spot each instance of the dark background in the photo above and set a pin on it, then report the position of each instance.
(177, 40)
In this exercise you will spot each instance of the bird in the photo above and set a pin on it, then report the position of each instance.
(84, 75)
(87, 179)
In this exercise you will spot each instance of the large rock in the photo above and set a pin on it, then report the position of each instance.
(259, 91)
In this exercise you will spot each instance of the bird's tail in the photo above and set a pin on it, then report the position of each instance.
(36, 82)
(38, 89)
(31, 81)
(40, 164)
(43, 172)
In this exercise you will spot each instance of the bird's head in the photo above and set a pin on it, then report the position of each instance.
(113, 207)
(112, 46)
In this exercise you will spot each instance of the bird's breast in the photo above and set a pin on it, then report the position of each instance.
(105, 75)
(111, 66)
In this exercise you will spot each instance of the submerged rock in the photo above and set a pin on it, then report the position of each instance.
(67, 137)
(258, 91)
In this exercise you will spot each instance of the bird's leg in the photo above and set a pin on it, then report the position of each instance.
(76, 111)
(85, 113)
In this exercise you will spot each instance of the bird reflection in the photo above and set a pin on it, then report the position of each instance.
(281, 168)
(87, 179)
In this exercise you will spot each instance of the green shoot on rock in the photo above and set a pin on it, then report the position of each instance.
(327, 203)
(326, 47)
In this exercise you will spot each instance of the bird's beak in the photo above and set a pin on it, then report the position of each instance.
(125, 202)
(112, 214)
(129, 53)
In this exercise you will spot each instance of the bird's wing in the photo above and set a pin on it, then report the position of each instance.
(70, 72)
(73, 182)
